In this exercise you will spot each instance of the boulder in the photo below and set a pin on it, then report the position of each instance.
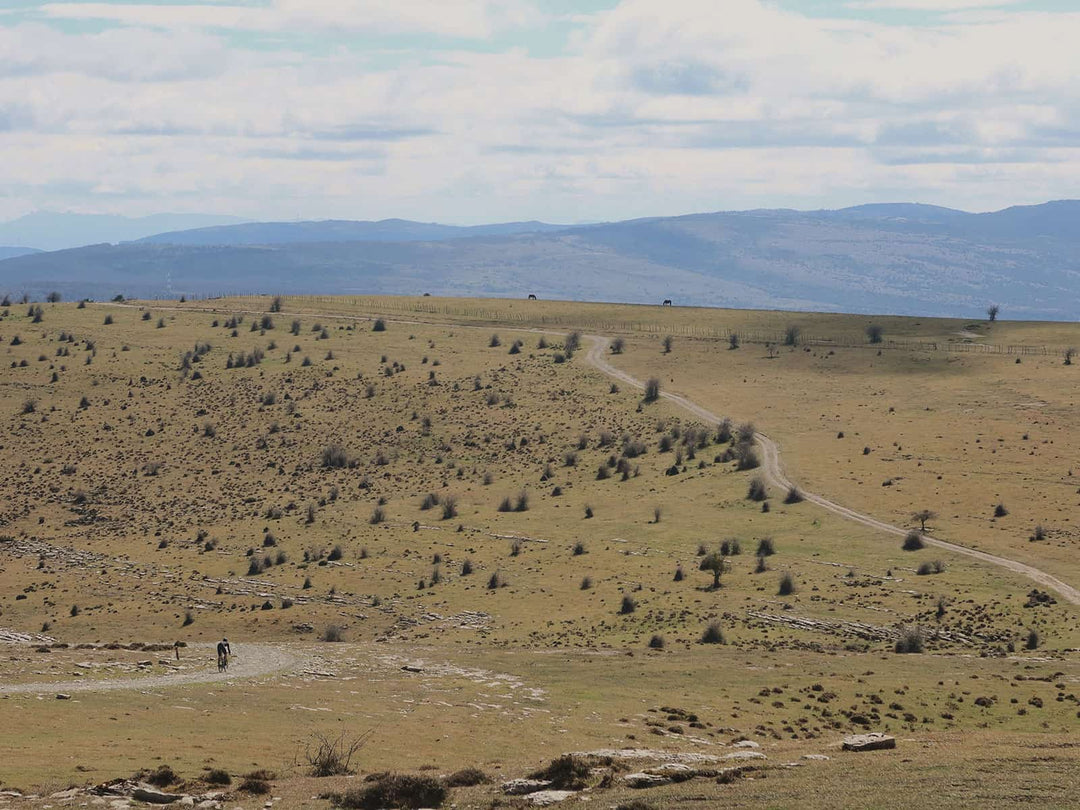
(874, 741)
(145, 793)
(646, 780)
(542, 798)
(816, 757)
(746, 744)
(523, 787)
(745, 754)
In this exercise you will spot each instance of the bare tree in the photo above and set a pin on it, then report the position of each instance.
(992, 312)
(922, 516)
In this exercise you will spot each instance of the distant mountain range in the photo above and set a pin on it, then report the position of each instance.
(45, 230)
(895, 258)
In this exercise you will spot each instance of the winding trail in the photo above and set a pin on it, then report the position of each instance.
(248, 661)
(774, 473)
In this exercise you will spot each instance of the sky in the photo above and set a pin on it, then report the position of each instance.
(468, 111)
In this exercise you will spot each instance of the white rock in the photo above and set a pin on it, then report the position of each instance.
(522, 787)
(646, 780)
(542, 798)
(746, 744)
(745, 755)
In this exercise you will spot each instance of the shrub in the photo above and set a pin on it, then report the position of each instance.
(579, 549)
(1032, 641)
(874, 333)
(656, 642)
(713, 634)
(333, 633)
(467, 777)
(505, 505)
(913, 541)
(794, 496)
(495, 581)
(256, 787)
(765, 547)
(715, 563)
(791, 336)
(522, 502)
(217, 776)
(1039, 534)
(162, 777)
(628, 605)
(930, 567)
(393, 790)
(332, 756)
(565, 773)
(667, 343)
(586, 583)
(680, 575)
(379, 325)
(108, 320)
(910, 641)
(449, 507)
(378, 515)
(335, 554)
(652, 389)
(494, 342)
(787, 585)
(757, 490)
(617, 345)
(733, 341)
(762, 566)
(335, 456)
(466, 567)
(1000, 511)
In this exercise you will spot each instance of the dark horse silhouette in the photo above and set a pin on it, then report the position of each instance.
(532, 297)
(667, 302)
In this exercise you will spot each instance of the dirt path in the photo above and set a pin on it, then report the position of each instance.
(248, 661)
(772, 466)
(774, 473)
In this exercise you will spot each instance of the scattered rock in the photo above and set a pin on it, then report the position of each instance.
(542, 798)
(646, 780)
(874, 741)
(816, 757)
(746, 744)
(62, 696)
(745, 754)
(523, 787)
(411, 668)
(148, 794)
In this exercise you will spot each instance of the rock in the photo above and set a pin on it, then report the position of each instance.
(746, 744)
(745, 755)
(148, 794)
(523, 787)
(816, 757)
(209, 804)
(670, 768)
(62, 696)
(874, 741)
(646, 780)
(542, 798)
(187, 801)
(410, 668)
(70, 793)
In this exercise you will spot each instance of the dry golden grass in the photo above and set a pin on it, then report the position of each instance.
(141, 505)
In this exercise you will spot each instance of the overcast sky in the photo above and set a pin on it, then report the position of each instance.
(564, 110)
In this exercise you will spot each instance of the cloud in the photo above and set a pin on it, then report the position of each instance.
(650, 108)
(470, 19)
(930, 5)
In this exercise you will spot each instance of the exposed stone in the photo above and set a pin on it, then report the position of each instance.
(817, 757)
(874, 741)
(542, 798)
(646, 780)
(746, 744)
(745, 755)
(523, 787)
(152, 796)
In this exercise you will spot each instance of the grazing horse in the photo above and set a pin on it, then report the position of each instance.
(532, 297)
(667, 302)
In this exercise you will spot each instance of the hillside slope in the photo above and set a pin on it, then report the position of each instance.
(917, 260)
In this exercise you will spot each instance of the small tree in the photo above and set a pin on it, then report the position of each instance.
(874, 333)
(913, 541)
(667, 343)
(923, 516)
(787, 585)
(275, 305)
(733, 341)
(791, 336)
(1069, 354)
(714, 562)
(992, 312)
(53, 297)
(617, 345)
(652, 389)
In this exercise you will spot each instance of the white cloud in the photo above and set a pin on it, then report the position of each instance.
(654, 108)
(472, 19)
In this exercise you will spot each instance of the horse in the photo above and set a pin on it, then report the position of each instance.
(532, 297)
(667, 302)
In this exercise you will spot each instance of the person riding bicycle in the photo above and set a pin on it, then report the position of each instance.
(223, 653)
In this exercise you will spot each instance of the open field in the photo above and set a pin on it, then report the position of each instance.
(528, 534)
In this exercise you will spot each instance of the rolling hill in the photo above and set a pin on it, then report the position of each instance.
(902, 259)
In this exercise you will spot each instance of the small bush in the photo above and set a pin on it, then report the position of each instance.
(1032, 641)
(930, 567)
(333, 633)
(393, 790)
(628, 605)
(713, 634)
(379, 325)
(335, 456)
(656, 642)
(586, 583)
(874, 333)
(256, 787)
(757, 490)
(793, 496)
(449, 507)
(911, 640)
(765, 547)
(332, 756)
(217, 776)
(913, 541)
(579, 549)
(787, 585)
(1000, 511)
(652, 389)
(467, 777)
(565, 773)
(162, 777)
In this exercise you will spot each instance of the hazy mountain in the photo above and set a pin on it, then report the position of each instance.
(51, 231)
(890, 259)
(12, 252)
(338, 230)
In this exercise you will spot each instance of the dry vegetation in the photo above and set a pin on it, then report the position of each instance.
(559, 563)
